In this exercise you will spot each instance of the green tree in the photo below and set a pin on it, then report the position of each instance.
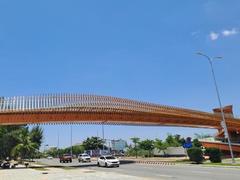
(160, 145)
(196, 143)
(8, 139)
(53, 151)
(173, 141)
(179, 139)
(25, 147)
(135, 141)
(36, 135)
(78, 149)
(147, 145)
(93, 143)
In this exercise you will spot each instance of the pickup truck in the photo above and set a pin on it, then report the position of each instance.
(65, 158)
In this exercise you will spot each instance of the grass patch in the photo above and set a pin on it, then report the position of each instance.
(67, 167)
(207, 163)
(221, 164)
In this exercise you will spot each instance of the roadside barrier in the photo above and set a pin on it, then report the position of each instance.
(155, 162)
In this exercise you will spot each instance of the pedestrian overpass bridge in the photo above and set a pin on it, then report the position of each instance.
(78, 108)
(92, 109)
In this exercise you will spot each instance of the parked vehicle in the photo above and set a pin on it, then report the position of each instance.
(65, 158)
(5, 165)
(84, 158)
(108, 161)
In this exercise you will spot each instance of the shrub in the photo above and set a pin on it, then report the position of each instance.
(195, 154)
(215, 155)
(196, 143)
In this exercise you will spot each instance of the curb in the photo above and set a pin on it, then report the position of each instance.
(155, 162)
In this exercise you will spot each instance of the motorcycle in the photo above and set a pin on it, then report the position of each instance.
(5, 165)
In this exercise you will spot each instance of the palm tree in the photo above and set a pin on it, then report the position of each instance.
(136, 141)
(8, 139)
(160, 145)
(26, 147)
(36, 135)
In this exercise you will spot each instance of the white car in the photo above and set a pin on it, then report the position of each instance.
(49, 157)
(84, 158)
(108, 161)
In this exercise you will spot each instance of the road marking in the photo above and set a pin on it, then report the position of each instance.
(202, 172)
(164, 175)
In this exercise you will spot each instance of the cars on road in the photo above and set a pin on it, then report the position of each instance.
(108, 161)
(49, 157)
(84, 158)
(65, 158)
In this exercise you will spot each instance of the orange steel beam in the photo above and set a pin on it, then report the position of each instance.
(77, 108)
(220, 145)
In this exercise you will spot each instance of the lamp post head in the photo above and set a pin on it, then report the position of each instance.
(209, 58)
(218, 57)
(204, 55)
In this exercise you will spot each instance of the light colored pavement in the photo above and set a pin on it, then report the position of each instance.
(61, 174)
(75, 171)
(181, 172)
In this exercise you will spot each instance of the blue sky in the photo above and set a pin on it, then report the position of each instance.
(143, 50)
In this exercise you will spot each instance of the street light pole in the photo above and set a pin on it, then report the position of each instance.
(103, 135)
(71, 140)
(58, 145)
(223, 123)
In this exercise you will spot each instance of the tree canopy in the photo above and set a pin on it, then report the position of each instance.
(93, 143)
(19, 141)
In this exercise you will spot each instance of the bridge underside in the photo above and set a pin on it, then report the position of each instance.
(124, 117)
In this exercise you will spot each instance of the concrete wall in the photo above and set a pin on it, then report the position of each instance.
(171, 151)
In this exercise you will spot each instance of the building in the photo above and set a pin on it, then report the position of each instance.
(171, 151)
(118, 145)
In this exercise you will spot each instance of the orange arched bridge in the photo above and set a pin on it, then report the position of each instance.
(92, 109)
(77, 108)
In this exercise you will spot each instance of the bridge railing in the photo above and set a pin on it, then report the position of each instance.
(80, 102)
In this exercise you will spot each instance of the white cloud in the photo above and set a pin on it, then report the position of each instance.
(222, 34)
(214, 36)
(231, 32)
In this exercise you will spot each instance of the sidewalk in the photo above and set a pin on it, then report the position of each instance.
(61, 174)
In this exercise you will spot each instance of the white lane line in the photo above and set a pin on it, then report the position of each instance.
(201, 172)
(165, 176)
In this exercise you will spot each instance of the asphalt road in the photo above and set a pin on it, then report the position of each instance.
(181, 172)
(75, 163)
